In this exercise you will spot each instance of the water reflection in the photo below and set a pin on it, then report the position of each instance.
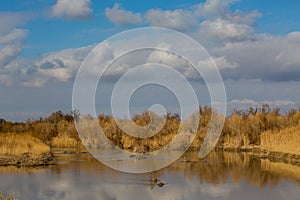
(219, 176)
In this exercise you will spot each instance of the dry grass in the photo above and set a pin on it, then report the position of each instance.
(64, 141)
(285, 141)
(13, 144)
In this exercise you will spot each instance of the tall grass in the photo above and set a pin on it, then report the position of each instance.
(252, 128)
(13, 144)
(65, 141)
(285, 141)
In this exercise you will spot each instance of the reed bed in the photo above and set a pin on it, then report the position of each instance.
(285, 141)
(14, 144)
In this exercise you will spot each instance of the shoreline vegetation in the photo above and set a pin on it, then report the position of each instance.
(23, 150)
(262, 131)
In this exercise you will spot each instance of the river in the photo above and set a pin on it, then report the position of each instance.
(224, 175)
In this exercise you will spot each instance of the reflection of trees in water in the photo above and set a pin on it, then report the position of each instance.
(285, 169)
(10, 170)
(216, 168)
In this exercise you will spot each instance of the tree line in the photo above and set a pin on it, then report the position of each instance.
(242, 127)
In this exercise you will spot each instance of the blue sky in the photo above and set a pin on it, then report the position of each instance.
(278, 18)
(254, 42)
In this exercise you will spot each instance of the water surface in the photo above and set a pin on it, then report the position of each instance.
(219, 176)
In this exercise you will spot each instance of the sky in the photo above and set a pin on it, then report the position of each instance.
(42, 44)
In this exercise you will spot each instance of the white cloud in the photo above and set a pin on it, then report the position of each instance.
(8, 53)
(225, 30)
(10, 45)
(212, 19)
(221, 25)
(243, 18)
(11, 39)
(220, 62)
(61, 74)
(289, 56)
(16, 71)
(166, 58)
(180, 20)
(10, 20)
(121, 17)
(212, 8)
(70, 9)
(13, 36)
(62, 65)
(272, 58)
(223, 63)
(279, 103)
(246, 102)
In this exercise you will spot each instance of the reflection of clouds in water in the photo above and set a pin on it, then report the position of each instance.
(91, 180)
(218, 190)
(87, 186)
(46, 186)
(288, 191)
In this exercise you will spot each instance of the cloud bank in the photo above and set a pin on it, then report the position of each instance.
(228, 35)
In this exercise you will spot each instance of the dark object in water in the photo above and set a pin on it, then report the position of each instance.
(161, 184)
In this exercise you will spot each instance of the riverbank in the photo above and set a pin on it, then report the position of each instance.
(272, 156)
(276, 146)
(23, 150)
(28, 160)
(33, 160)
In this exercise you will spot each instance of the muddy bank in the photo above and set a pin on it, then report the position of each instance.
(33, 160)
(266, 154)
(281, 157)
(27, 160)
